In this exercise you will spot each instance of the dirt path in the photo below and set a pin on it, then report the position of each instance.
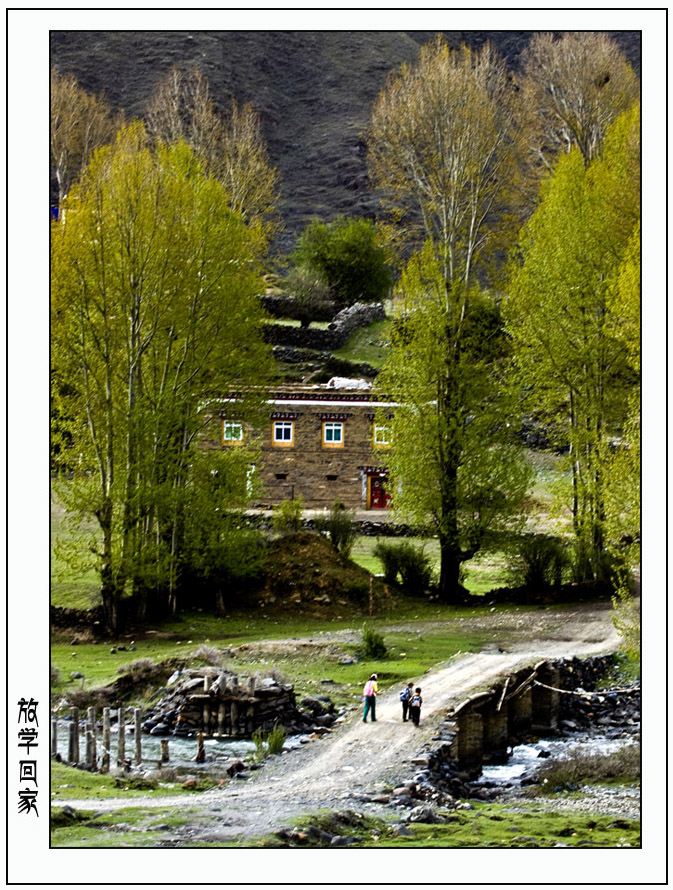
(359, 757)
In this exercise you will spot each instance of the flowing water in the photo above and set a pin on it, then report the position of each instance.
(182, 750)
(525, 759)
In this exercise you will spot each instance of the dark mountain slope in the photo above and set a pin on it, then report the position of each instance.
(313, 89)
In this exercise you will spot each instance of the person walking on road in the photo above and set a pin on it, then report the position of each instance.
(369, 692)
(405, 698)
(415, 706)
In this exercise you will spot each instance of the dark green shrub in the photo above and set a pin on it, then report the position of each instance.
(387, 555)
(373, 646)
(541, 562)
(409, 561)
(415, 567)
(340, 527)
(586, 565)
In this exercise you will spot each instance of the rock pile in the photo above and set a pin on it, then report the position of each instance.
(217, 702)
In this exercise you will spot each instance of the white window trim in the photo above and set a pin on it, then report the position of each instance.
(284, 425)
(333, 425)
(386, 431)
(232, 425)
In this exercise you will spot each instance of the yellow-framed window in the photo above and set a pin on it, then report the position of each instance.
(232, 432)
(282, 433)
(332, 434)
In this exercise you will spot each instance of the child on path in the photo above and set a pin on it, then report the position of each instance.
(369, 692)
(405, 698)
(415, 706)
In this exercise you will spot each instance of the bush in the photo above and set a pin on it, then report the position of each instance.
(415, 567)
(138, 669)
(340, 527)
(372, 645)
(387, 554)
(409, 561)
(287, 517)
(54, 675)
(268, 743)
(580, 768)
(542, 562)
(209, 654)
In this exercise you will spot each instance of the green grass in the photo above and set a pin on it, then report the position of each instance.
(128, 827)
(67, 589)
(493, 826)
(69, 783)
(410, 653)
(368, 344)
(295, 323)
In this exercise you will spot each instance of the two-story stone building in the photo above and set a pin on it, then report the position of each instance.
(323, 443)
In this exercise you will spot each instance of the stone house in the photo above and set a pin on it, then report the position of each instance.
(323, 443)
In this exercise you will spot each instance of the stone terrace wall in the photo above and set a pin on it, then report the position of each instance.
(358, 315)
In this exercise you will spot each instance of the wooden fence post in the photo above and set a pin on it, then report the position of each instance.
(164, 751)
(138, 759)
(201, 751)
(121, 737)
(105, 759)
(73, 753)
(91, 719)
(54, 736)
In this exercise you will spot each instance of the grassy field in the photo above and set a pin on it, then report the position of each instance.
(313, 664)
(368, 344)
(486, 826)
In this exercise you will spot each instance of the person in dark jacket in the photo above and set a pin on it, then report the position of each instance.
(415, 706)
(405, 698)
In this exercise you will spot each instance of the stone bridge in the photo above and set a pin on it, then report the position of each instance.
(486, 724)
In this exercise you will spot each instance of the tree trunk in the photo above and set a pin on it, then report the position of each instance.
(109, 584)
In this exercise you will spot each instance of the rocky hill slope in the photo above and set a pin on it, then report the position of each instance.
(313, 89)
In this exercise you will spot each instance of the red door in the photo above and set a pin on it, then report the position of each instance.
(378, 496)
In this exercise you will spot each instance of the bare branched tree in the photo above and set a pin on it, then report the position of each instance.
(573, 87)
(229, 144)
(80, 123)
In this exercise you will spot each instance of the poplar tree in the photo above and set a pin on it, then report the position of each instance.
(228, 141)
(154, 313)
(573, 86)
(445, 153)
(560, 312)
(79, 123)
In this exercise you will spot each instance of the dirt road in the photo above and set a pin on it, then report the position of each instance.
(359, 757)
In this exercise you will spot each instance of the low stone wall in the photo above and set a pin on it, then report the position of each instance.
(285, 306)
(358, 315)
(217, 702)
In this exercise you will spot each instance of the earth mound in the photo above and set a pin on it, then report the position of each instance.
(306, 573)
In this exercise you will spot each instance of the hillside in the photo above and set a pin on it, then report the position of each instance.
(313, 89)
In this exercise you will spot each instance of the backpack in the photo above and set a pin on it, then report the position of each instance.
(404, 695)
(369, 688)
(416, 700)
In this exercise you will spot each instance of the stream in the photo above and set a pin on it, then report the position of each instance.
(182, 750)
(525, 759)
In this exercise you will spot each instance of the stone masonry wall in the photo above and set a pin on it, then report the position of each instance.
(317, 473)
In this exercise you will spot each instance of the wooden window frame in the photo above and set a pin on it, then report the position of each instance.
(332, 424)
(282, 443)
